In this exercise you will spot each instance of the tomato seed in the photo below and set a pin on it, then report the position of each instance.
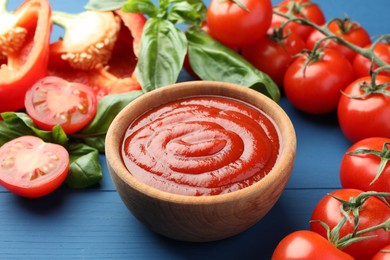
(8, 162)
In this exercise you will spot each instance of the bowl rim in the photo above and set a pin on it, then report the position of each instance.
(114, 140)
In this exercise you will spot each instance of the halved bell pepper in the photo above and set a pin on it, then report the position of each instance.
(98, 49)
(24, 50)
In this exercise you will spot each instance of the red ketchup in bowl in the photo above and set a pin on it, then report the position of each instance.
(202, 145)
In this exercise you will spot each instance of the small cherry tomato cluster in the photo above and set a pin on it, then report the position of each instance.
(353, 222)
(345, 224)
(322, 66)
(325, 67)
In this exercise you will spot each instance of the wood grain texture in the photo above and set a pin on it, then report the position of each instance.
(95, 224)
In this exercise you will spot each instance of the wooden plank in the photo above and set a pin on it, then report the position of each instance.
(95, 224)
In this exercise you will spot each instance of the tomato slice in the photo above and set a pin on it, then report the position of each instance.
(31, 168)
(55, 101)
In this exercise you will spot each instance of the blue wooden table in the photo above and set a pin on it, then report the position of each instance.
(94, 224)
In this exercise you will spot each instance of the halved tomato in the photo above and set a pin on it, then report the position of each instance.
(29, 167)
(53, 101)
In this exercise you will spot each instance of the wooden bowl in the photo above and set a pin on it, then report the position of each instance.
(200, 218)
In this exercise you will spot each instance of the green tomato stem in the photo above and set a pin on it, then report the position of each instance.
(354, 237)
(354, 206)
(383, 155)
(368, 53)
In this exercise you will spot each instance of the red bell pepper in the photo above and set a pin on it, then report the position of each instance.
(99, 49)
(24, 50)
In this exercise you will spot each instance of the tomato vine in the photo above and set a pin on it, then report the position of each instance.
(366, 52)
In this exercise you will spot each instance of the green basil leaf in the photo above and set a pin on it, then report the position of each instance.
(97, 142)
(211, 60)
(99, 5)
(188, 12)
(59, 136)
(162, 52)
(21, 123)
(85, 169)
(5, 134)
(109, 106)
(146, 7)
(17, 124)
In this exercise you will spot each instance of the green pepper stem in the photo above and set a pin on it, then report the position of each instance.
(62, 19)
(3, 6)
(241, 5)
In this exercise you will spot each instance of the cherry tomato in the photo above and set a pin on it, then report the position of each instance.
(383, 254)
(32, 168)
(360, 170)
(345, 29)
(304, 244)
(272, 54)
(54, 101)
(314, 86)
(361, 65)
(300, 8)
(367, 116)
(372, 212)
(235, 26)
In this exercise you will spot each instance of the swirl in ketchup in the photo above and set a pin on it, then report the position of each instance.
(203, 145)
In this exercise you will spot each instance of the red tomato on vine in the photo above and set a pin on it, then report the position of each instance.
(346, 29)
(362, 65)
(365, 165)
(364, 108)
(383, 254)
(272, 54)
(371, 212)
(304, 244)
(239, 23)
(300, 8)
(313, 82)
